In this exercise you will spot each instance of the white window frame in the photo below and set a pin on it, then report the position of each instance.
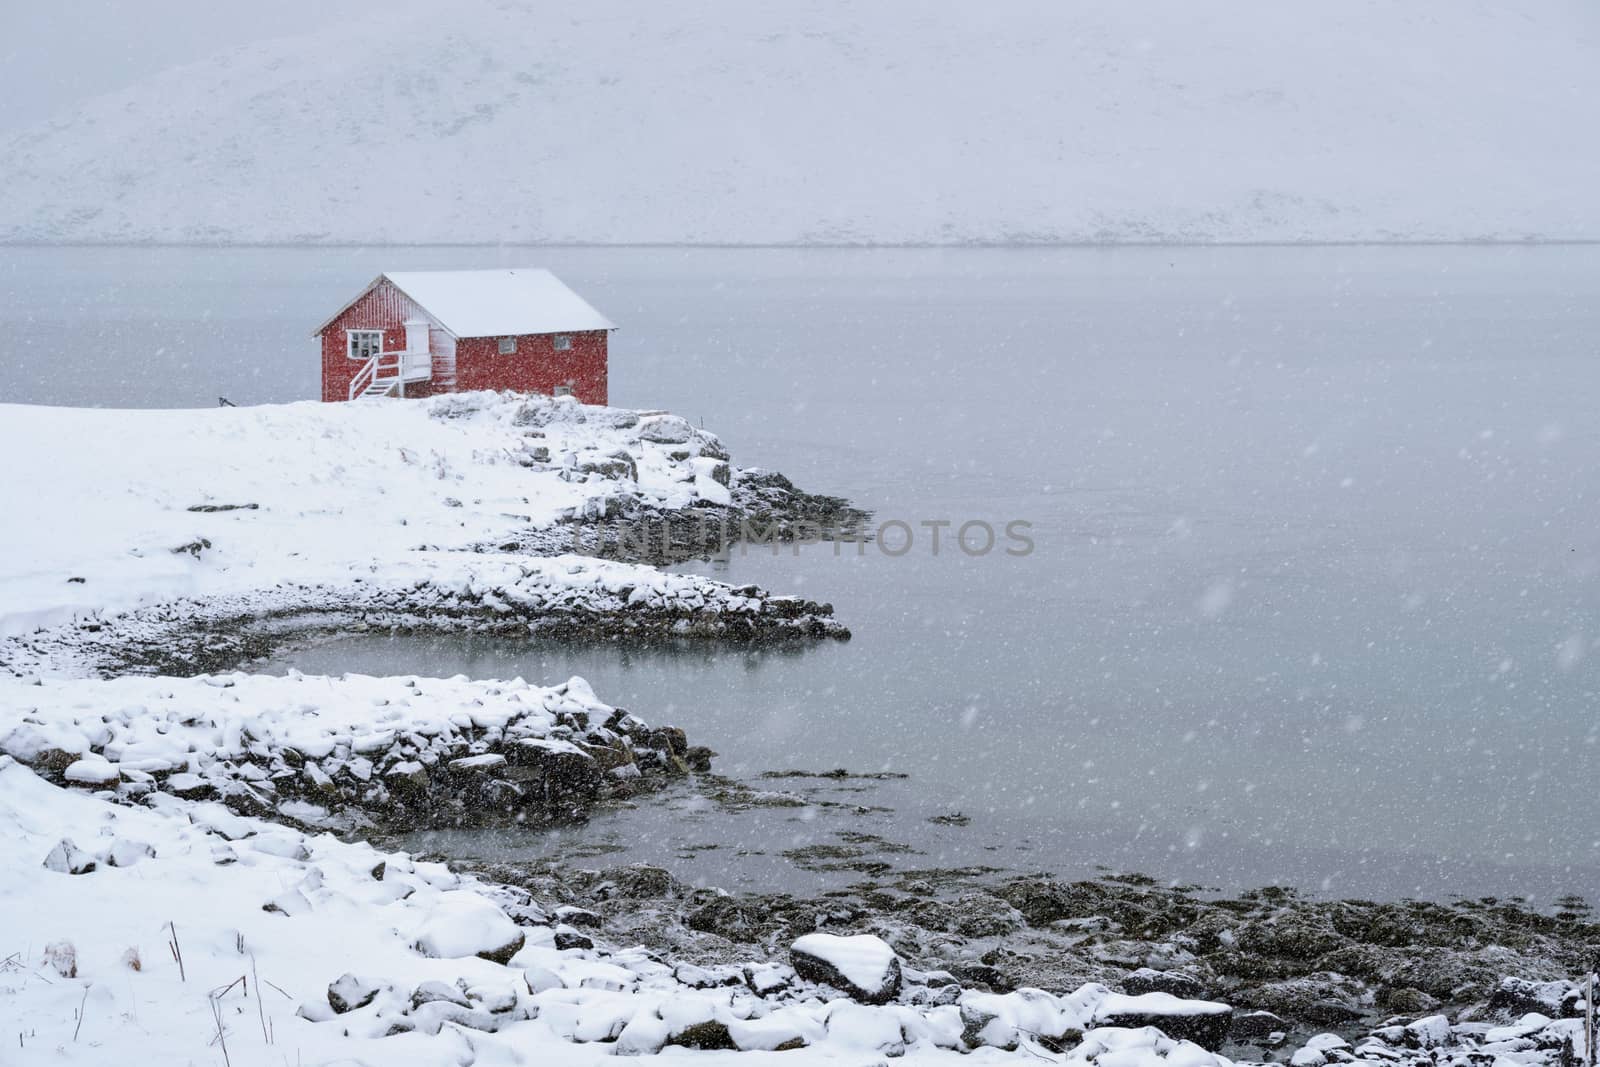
(508, 346)
(350, 344)
(562, 342)
(563, 390)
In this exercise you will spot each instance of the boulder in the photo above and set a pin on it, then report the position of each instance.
(862, 966)
(723, 915)
(571, 939)
(483, 764)
(1520, 996)
(407, 777)
(68, 858)
(93, 772)
(665, 429)
(1294, 935)
(1321, 999)
(349, 992)
(463, 923)
(1255, 1025)
(639, 880)
(1150, 980)
(1430, 1032)
(576, 916)
(434, 990)
(496, 998)
(710, 1034)
(1204, 1022)
(1407, 1000)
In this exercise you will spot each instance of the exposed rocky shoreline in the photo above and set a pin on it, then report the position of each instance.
(313, 752)
(437, 594)
(1284, 971)
(1290, 966)
(766, 510)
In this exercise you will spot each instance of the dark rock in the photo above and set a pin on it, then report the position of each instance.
(555, 773)
(1253, 1025)
(982, 974)
(566, 939)
(707, 1035)
(667, 738)
(1045, 900)
(408, 779)
(640, 881)
(1407, 1001)
(1316, 999)
(1208, 1029)
(1149, 980)
(504, 953)
(574, 916)
(727, 917)
(1293, 934)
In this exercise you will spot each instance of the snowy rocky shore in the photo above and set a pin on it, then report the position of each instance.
(342, 752)
(1290, 968)
(168, 929)
(182, 857)
(430, 592)
(177, 542)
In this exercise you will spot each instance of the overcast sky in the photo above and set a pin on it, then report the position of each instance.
(56, 53)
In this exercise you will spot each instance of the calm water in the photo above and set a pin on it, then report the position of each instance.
(1314, 596)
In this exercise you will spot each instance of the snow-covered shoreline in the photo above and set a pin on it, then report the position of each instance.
(144, 918)
(150, 540)
(174, 889)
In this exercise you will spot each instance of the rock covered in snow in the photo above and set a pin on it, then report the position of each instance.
(67, 858)
(93, 771)
(464, 923)
(1150, 980)
(125, 853)
(665, 429)
(1204, 1022)
(1519, 996)
(861, 965)
(349, 992)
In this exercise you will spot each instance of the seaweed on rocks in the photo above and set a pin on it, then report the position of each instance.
(1291, 967)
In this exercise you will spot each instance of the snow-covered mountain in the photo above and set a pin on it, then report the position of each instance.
(743, 121)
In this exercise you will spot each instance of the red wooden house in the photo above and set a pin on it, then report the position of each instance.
(418, 333)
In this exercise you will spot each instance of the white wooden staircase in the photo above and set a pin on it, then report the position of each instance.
(386, 374)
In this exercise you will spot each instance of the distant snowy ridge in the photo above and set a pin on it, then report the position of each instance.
(826, 122)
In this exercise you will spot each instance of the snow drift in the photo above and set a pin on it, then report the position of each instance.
(825, 122)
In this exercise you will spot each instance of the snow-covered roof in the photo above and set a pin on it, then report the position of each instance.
(494, 303)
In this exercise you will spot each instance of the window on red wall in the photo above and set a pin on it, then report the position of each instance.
(363, 344)
(563, 342)
(508, 345)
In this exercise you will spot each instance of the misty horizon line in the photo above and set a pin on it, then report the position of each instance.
(1483, 242)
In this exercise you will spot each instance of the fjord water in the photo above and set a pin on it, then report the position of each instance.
(1315, 589)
